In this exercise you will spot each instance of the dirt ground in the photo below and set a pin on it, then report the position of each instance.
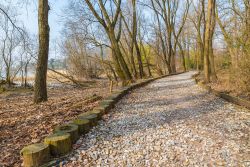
(223, 84)
(23, 123)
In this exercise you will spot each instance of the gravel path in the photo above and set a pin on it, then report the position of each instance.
(170, 122)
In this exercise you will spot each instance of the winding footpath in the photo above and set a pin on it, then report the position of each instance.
(169, 122)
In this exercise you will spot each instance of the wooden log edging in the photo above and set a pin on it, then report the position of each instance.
(69, 133)
(232, 99)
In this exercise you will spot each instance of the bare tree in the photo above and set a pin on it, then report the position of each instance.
(10, 43)
(198, 20)
(208, 38)
(168, 11)
(40, 87)
(134, 43)
(109, 24)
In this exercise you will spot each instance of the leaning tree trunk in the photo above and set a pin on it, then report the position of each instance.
(124, 74)
(40, 86)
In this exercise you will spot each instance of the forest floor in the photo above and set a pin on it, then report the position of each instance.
(223, 84)
(23, 123)
(170, 122)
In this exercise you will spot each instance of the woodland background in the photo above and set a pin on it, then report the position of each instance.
(108, 44)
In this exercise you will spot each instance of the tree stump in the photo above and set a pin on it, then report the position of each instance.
(83, 125)
(59, 143)
(71, 129)
(93, 118)
(35, 155)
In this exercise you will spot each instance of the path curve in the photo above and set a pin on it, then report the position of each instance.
(170, 122)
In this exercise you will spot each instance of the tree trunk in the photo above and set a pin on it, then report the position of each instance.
(8, 80)
(201, 54)
(208, 39)
(171, 55)
(120, 65)
(147, 61)
(133, 59)
(188, 53)
(173, 66)
(134, 39)
(211, 60)
(248, 27)
(203, 37)
(140, 65)
(211, 52)
(182, 57)
(169, 68)
(40, 87)
(26, 75)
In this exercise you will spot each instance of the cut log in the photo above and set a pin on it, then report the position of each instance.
(59, 143)
(98, 112)
(93, 118)
(107, 102)
(114, 97)
(119, 91)
(35, 155)
(83, 125)
(86, 114)
(71, 129)
(103, 108)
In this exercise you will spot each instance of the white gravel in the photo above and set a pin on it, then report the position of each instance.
(170, 122)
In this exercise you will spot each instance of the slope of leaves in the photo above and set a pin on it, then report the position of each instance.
(23, 123)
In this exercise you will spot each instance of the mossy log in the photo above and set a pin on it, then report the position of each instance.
(59, 143)
(105, 108)
(35, 155)
(83, 125)
(101, 109)
(93, 118)
(69, 128)
(86, 113)
(98, 112)
(110, 103)
(114, 96)
(126, 88)
(121, 92)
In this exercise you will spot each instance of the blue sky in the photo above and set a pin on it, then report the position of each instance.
(28, 15)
